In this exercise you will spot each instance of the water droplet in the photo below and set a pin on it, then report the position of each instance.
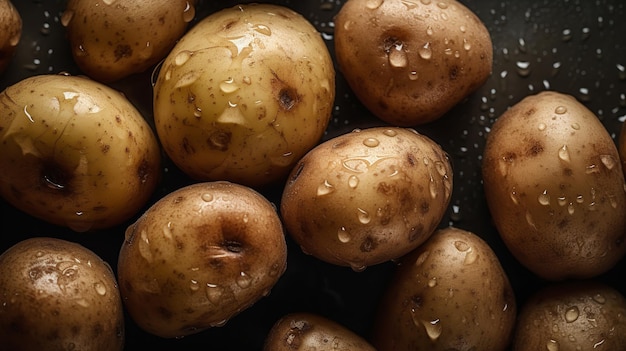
(564, 154)
(357, 267)
(599, 298)
(193, 285)
(182, 57)
(432, 282)
(244, 280)
(109, 2)
(570, 208)
(413, 75)
(189, 12)
(213, 293)
(167, 230)
(364, 216)
(353, 181)
(429, 30)
(566, 34)
(552, 345)
(66, 17)
(426, 2)
(228, 86)
(466, 45)
(559, 110)
(390, 132)
(100, 288)
(541, 126)
(523, 68)
(263, 29)
(207, 197)
(571, 314)
(397, 57)
(144, 246)
(544, 198)
(608, 161)
(343, 235)
(442, 5)
(433, 329)
(325, 188)
(514, 197)
(373, 4)
(82, 302)
(371, 142)
(530, 220)
(39, 254)
(425, 51)
(575, 126)
(421, 258)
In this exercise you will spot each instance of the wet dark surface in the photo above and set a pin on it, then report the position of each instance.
(575, 47)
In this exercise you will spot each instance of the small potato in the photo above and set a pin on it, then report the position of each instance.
(244, 94)
(368, 196)
(307, 331)
(112, 39)
(410, 62)
(58, 295)
(199, 256)
(75, 152)
(451, 293)
(621, 146)
(10, 32)
(572, 316)
(555, 187)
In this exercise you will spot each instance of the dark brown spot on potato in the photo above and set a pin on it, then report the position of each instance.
(288, 98)
(453, 72)
(535, 148)
(531, 111)
(122, 51)
(410, 159)
(165, 313)
(368, 244)
(568, 172)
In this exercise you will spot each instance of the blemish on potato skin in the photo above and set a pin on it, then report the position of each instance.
(535, 148)
(369, 244)
(123, 51)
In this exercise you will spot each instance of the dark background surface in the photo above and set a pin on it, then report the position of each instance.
(576, 47)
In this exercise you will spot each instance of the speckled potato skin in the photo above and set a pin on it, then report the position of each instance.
(368, 196)
(572, 316)
(621, 146)
(410, 62)
(112, 41)
(199, 256)
(75, 152)
(451, 293)
(301, 331)
(244, 94)
(58, 295)
(555, 187)
(10, 32)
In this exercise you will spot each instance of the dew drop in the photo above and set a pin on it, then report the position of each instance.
(413, 75)
(213, 293)
(566, 34)
(608, 161)
(228, 86)
(544, 198)
(207, 197)
(390, 132)
(364, 216)
(523, 68)
(421, 258)
(442, 5)
(66, 17)
(514, 197)
(263, 29)
(466, 45)
(357, 267)
(397, 57)
(373, 4)
(167, 230)
(559, 110)
(542, 126)
(353, 181)
(425, 51)
(564, 154)
(470, 257)
(182, 57)
(570, 208)
(100, 288)
(571, 314)
(343, 235)
(432, 282)
(189, 12)
(433, 329)
(371, 142)
(599, 298)
(244, 280)
(429, 30)
(144, 246)
(193, 285)
(552, 345)
(325, 188)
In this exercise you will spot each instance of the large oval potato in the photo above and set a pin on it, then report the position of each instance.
(555, 188)
(572, 316)
(301, 331)
(451, 293)
(75, 152)
(10, 33)
(112, 39)
(409, 62)
(58, 295)
(199, 256)
(368, 196)
(244, 94)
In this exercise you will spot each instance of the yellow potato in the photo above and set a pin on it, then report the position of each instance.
(409, 62)
(75, 152)
(368, 196)
(10, 32)
(58, 295)
(555, 187)
(199, 256)
(112, 39)
(244, 94)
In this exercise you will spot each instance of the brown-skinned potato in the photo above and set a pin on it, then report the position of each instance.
(10, 32)
(555, 187)
(199, 256)
(58, 295)
(417, 60)
(303, 331)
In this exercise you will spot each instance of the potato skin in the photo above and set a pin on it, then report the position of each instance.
(368, 196)
(112, 41)
(303, 331)
(58, 295)
(244, 94)
(199, 256)
(417, 61)
(10, 32)
(572, 316)
(75, 152)
(555, 187)
(450, 293)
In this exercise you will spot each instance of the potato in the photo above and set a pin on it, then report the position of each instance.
(410, 62)
(368, 196)
(75, 152)
(244, 94)
(112, 39)
(10, 33)
(451, 293)
(199, 256)
(303, 331)
(555, 187)
(58, 295)
(572, 316)
(621, 146)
